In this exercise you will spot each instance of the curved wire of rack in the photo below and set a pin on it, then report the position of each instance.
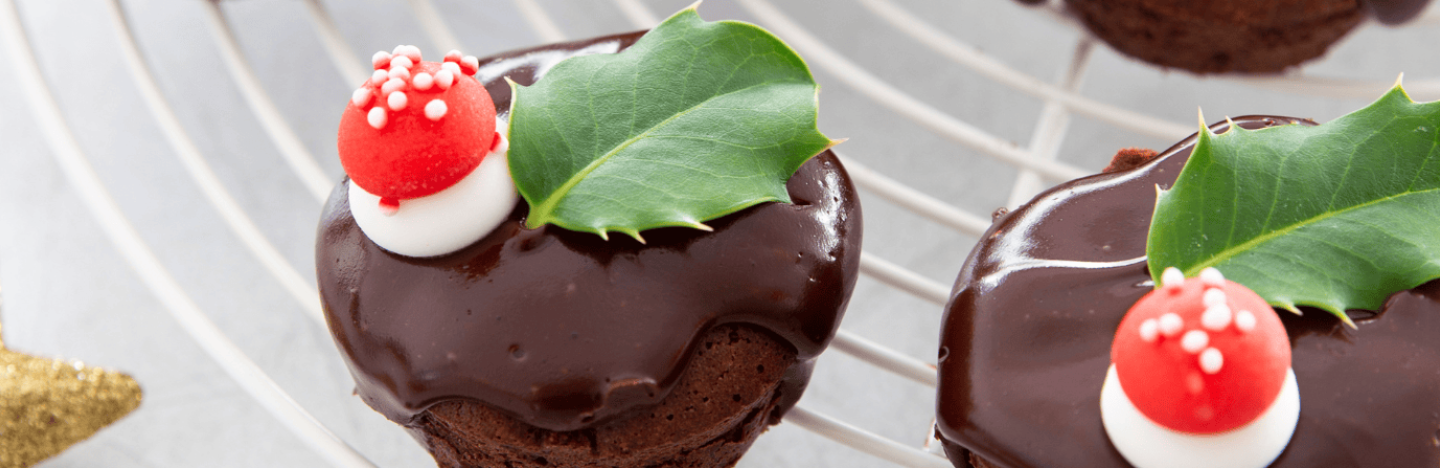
(128, 242)
(1036, 161)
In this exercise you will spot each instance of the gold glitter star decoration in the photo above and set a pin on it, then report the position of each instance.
(47, 405)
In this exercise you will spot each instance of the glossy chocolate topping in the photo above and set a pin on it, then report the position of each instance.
(1027, 333)
(563, 329)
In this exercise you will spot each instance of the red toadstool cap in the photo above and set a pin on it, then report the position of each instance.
(415, 128)
(1201, 355)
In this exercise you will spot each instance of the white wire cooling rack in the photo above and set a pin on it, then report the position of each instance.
(164, 163)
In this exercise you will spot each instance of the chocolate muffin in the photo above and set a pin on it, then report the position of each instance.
(550, 347)
(1027, 339)
(1232, 35)
(738, 381)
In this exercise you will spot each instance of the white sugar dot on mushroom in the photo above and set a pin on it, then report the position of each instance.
(397, 101)
(1213, 297)
(422, 81)
(1212, 277)
(361, 97)
(436, 109)
(1245, 320)
(1216, 317)
(1171, 324)
(376, 117)
(1194, 341)
(1149, 330)
(380, 60)
(393, 85)
(1211, 360)
(444, 78)
(401, 62)
(1172, 278)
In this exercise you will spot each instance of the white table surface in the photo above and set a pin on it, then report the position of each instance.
(68, 291)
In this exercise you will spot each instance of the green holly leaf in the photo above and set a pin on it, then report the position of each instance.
(694, 121)
(1336, 216)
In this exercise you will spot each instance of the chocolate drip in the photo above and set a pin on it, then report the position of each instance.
(1027, 334)
(563, 329)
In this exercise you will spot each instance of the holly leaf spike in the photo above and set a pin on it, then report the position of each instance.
(1337, 216)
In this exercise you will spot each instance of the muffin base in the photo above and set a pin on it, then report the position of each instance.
(1223, 35)
(732, 390)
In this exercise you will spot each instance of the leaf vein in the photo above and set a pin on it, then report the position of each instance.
(1266, 237)
(548, 205)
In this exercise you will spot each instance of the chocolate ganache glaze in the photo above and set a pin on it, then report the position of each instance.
(563, 329)
(1027, 334)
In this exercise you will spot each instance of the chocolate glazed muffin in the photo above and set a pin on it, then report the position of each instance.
(1222, 36)
(548, 347)
(1027, 339)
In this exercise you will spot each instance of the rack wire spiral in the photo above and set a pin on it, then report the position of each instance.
(164, 164)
